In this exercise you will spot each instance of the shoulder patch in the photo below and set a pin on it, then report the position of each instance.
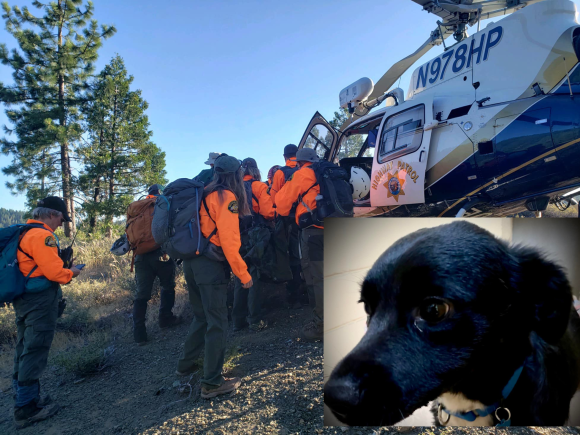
(49, 241)
(233, 206)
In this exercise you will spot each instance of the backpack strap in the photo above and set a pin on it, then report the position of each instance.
(28, 228)
(214, 232)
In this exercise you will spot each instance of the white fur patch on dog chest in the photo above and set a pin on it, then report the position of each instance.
(459, 403)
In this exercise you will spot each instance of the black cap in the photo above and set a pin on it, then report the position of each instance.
(290, 150)
(249, 163)
(154, 189)
(55, 203)
(226, 164)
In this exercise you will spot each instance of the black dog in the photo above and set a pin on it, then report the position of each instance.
(453, 314)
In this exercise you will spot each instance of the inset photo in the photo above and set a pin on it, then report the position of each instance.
(451, 322)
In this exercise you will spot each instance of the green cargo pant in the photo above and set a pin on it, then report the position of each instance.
(147, 268)
(36, 315)
(312, 249)
(207, 282)
(247, 302)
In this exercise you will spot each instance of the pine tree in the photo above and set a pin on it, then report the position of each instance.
(120, 160)
(50, 72)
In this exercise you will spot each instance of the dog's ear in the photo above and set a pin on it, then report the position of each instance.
(550, 292)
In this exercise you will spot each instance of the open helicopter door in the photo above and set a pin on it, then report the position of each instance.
(400, 161)
(319, 136)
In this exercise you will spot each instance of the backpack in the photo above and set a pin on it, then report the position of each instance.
(176, 224)
(335, 197)
(138, 227)
(254, 219)
(287, 171)
(12, 279)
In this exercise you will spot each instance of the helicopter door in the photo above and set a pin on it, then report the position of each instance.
(319, 136)
(400, 161)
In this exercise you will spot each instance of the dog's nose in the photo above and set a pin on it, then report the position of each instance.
(341, 395)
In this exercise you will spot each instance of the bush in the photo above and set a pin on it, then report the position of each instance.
(87, 355)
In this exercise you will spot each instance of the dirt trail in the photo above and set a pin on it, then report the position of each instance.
(281, 391)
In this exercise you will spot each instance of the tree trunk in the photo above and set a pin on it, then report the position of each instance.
(96, 196)
(69, 227)
(112, 171)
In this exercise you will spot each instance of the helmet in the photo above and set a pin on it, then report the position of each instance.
(360, 181)
(121, 246)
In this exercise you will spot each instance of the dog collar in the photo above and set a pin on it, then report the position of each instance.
(492, 409)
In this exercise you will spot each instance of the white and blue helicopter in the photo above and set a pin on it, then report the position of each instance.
(491, 127)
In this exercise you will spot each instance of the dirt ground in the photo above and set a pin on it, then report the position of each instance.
(281, 391)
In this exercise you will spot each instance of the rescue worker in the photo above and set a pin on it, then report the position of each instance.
(206, 176)
(38, 308)
(271, 173)
(207, 277)
(302, 190)
(148, 266)
(248, 302)
(153, 191)
(279, 179)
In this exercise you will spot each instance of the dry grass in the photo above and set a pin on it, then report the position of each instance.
(98, 311)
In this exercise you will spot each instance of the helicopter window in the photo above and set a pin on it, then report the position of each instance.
(402, 132)
(320, 140)
(359, 142)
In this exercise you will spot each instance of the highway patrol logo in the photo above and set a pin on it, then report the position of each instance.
(233, 206)
(395, 185)
(49, 241)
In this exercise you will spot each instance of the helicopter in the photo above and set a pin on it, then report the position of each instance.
(491, 127)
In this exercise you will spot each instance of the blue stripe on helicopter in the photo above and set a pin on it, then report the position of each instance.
(545, 129)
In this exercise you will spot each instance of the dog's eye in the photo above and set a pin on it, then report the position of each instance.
(433, 310)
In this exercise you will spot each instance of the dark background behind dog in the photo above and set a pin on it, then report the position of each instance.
(353, 245)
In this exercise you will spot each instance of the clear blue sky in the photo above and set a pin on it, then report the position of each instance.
(245, 77)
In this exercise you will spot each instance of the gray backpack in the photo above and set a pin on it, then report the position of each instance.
(175, 223)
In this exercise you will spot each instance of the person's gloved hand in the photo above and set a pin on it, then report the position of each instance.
(61, 307)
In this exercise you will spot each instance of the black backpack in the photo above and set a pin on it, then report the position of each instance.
(287, 171)
(254, 219)
(335, 197)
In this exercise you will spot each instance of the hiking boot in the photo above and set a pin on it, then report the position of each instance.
(258, 326)
(188, 371)
(238, 328)
(140, 335)
(170, 322)
(35, 411)
(313, 331)
(229, 385)
(139, 329)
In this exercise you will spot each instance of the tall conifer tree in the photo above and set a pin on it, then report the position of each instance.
(51, 70)
(120, 160)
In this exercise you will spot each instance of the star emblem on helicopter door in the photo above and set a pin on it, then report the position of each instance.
(394, 185)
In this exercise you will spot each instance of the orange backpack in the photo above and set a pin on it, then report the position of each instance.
(138, 228)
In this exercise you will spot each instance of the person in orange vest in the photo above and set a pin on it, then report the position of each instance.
(270, 178)
(279, 179)
(153, 191)
(207, 277)
(38, 308)
(302, 189)
(248, 302)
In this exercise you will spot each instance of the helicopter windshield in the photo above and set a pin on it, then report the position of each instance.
(359, 141)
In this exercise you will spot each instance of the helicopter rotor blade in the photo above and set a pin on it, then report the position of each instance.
(397, 70)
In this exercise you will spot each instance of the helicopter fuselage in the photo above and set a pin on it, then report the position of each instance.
(488, 126)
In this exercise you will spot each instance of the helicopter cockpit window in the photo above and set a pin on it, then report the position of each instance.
(320, 140)
(359, 142)
(402, 133)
